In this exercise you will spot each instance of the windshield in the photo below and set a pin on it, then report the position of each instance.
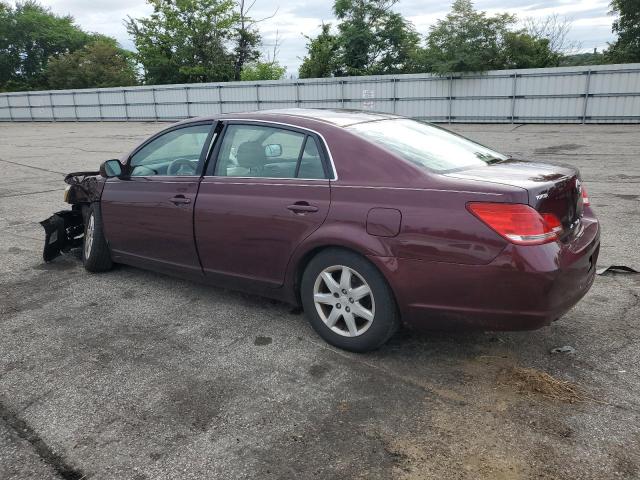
(426, 145)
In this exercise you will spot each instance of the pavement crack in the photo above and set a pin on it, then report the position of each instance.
(31, 166)
(29, 193)
(44, 451)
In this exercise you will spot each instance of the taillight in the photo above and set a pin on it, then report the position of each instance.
(585, 197)
(517, 222)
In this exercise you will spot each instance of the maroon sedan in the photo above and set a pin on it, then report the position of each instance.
(367, 220)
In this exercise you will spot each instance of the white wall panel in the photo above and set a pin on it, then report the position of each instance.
(64, 113)
(89, 98)
(38, 100)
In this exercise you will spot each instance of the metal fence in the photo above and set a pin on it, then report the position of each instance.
(596, 94)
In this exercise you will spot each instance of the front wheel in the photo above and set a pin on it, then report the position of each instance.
(95, 252)
(348, 301)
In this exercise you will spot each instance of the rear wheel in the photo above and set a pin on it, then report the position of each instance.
(95, 252)
(348, 301)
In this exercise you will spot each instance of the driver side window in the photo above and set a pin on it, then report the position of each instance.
(174, 153)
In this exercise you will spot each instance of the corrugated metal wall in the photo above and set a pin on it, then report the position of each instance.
(601, 93)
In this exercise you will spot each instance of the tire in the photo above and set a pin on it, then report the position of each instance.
(95, 252)
(356, 321)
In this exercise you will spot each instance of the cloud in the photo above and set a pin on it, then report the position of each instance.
(591, 23)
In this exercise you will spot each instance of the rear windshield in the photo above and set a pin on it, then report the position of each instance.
(426, 145)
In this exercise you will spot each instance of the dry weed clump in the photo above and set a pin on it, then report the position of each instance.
(530, 380)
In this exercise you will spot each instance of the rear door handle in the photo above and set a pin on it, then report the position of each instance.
(302, 207)
(180, 200)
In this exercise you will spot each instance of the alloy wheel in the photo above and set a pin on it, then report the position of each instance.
(344, 300)
(88, 236)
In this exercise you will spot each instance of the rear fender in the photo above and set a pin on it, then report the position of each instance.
(340, 235)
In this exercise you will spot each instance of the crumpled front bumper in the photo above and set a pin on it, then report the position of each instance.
(64, 231)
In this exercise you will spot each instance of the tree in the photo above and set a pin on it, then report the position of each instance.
(471, 41)
(522, 50)
(578, 59)
(320, 60)
(556, 30)
(626, 48)
(99, 64)
(185, 41)
(29, 35)
(262, 71)
(372, 38)
(247, 38)
(467, 40)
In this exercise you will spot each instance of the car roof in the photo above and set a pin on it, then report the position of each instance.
(335, 117)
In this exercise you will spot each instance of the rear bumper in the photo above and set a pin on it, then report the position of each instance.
(523, 288)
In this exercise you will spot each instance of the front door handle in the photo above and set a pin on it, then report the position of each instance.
(180, 200)
(302, 207)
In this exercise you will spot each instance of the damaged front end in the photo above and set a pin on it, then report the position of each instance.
(65, 229)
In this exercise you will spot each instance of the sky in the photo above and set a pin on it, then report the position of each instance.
(591, 24)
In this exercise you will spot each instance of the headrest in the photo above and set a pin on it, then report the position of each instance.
(251, 155)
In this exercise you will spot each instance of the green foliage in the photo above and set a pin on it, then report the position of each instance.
(29, 35)
(467, 40)
(579, 59)
(372, 39)
(262, 71)
(321, 58)
(99, 64)
(522, 50)
(185, 41)
(626, 48)
(247, 39)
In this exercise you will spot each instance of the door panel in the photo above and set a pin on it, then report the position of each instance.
(249, 228)
(151, 219)
(148, 213)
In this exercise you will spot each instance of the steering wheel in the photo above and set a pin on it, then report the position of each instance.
(182, 166)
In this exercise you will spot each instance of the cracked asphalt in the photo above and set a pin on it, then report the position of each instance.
(135, 375)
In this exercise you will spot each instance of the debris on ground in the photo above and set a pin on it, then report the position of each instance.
(530, 380)
(568, 349)
(615, 269)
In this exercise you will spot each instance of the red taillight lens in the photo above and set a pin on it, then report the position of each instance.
(517, 222)
(585, 197)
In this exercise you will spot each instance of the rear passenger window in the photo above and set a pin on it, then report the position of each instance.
(268, 152)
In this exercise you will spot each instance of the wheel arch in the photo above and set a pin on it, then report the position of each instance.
(304, 258)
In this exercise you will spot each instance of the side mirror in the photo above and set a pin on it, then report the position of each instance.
(273, 150)
(111, 168)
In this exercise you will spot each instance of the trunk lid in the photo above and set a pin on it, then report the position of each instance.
(551, 188)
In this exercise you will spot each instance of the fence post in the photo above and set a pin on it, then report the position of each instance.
(155, 104)
(258, 95)
(75, 107)
(99, 106)
(126, 106)
(220, 97)
(297, 94)
(395, 93)
(29, 105)
(53, 107)
(9, 106)
(342, 93)
(513, 97)
(186, 92)
(586, 97)
(450, 97)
